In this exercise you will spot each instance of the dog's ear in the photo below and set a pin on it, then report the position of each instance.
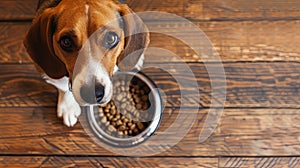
(136, 39)
(39, 45)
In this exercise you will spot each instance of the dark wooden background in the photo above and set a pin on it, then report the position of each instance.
(258, 42)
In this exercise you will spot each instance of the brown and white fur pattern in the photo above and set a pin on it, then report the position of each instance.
(60, 30)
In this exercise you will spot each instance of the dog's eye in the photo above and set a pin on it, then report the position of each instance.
(66, 43)
(111, 40)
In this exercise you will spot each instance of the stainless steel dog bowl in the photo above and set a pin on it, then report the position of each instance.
(93, 120)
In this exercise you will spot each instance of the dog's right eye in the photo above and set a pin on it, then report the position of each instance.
(111, 40)
(66, 43)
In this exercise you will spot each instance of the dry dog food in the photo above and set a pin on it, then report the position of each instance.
(129, 112)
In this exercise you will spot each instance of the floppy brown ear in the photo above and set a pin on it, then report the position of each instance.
(39, 45)
(136, 39)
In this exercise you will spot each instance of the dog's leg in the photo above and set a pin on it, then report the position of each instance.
(67, 107)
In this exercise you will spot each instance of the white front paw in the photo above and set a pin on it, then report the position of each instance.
(68, 108)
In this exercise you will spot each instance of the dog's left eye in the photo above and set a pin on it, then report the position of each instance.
(66, 43)
(111, 40)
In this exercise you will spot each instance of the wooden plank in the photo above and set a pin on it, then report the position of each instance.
(17, 9)
(242, 9)
(22, 86)
(240, 132)
(30, 122)
(170, 6)
(192, 9)
(262, 162)
(234, 41)
(247, 85)
(107, 162)
(222, 10)
(23, 127)
(11, 43)
(259, 132)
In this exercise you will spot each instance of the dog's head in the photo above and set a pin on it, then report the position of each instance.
(60, 34)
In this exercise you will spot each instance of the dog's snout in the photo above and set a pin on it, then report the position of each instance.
(99, 91)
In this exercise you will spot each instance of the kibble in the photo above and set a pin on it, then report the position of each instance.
(128, 114)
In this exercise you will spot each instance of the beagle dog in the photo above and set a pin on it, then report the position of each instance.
(59, 34)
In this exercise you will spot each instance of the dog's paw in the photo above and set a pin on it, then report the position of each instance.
(68, 108)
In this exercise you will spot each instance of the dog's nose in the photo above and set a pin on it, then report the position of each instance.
(99, 91)
(88, 93)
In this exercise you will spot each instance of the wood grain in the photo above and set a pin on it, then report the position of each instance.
(11, 43)
(222, 10)
(170, 6)
(233, 41)
(100, 162)
(247, 85)
(240, 132)
(192, 9)
(106, 162)
(22, 86)
(41, 127)
(242, 10)
(263, 162)
(17, 9)
(255, 85)
(259, 132)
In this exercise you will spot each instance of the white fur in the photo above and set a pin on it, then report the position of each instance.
(67, 107)
(87, 8)
(116, 69)
(60, 84)
(140, 62)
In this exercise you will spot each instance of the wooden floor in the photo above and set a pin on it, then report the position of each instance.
(259, 44)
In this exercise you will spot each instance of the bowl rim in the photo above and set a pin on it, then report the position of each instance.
(145, 134)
